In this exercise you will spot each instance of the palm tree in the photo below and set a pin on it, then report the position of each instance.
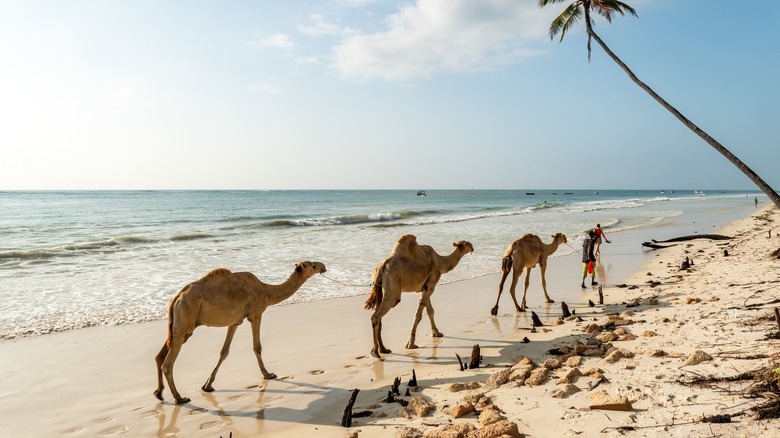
(607, 8)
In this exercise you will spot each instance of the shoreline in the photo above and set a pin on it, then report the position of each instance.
(100, 380)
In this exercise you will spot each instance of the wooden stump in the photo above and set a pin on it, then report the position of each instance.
(777, 318)
(565, 310)
(474, 363)
(459, 361)
(346, 419)
(601, 295)
(535, 321)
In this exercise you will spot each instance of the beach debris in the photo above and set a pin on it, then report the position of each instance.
(535, 321)
(413, 380)
(497, 379)
(396, 384)
(553, 363)
(407, 394)
(421, 406)
(566, 391)
(565, 310)
(725, 253)
(526, 340)
(451, 430)
(601, 295)
(603, 401)
(502, 428)
(569, 376)
(696, 358)
(693, 237)
(537, 377)
(461, 409)
(491, 414)
(573, 361)
(460, 361)
(601, 379)
(410, 432)
(346, 419)
(720, 418)
(591, 303)
(475, 357)
(463, 386)
(686, 264)
(656, 353)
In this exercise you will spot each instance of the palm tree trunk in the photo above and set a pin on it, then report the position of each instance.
(773, 196)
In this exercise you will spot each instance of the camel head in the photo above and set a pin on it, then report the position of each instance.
(559, 238)
(307, 269)
(463, 246)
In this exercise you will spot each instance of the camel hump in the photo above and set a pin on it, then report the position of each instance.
(218, 272)
(406, 245)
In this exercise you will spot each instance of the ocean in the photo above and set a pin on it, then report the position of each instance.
(76, 259)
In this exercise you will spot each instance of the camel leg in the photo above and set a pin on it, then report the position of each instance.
(257, 347)
(429, 309)
(159, 361)
(376, 326)
(525, 286)
(494, 310)
(222, 355)
(167, 367)
(543, 268)
(513, 289)
(417, 318)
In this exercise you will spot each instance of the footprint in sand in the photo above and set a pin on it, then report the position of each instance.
(102, 420)
(210, 425)
(361, 357)
(114, 430)
(349, 366)
(316, 372)
(74, 429)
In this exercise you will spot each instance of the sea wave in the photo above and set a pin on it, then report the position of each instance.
(350, 219)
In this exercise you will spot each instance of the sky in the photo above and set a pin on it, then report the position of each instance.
(379, 94)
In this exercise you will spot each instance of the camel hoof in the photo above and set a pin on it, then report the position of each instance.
(158, 394)
(375, 354)
(520, 310)
(270, 376)
(438, 335)
(384, 350)
(411, 346)
(181, 401)
(494, 311)
(550, 301)
(207, 388)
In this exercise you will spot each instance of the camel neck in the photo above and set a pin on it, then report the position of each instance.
(280, 292)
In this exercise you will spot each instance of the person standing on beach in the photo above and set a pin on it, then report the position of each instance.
(755, 201)
(589, 259)
(599, 235)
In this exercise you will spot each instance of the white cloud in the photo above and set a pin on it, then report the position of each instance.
(265, 87)
(320, 27)
(279, 41)
(445, 36)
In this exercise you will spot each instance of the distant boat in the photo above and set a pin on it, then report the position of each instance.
(530, 193)
(421, 193)
(568, 193)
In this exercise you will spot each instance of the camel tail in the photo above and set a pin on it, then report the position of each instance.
(375, 298)
(506, 264)
(170, 321)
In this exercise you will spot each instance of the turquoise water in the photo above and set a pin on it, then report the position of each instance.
(77, 259)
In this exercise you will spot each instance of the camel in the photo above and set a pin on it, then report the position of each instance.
(526, 252)
(409, 268)
(223, 299)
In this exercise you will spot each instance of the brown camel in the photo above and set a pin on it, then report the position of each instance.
(526, 252)
(409, 268)
(223, 299)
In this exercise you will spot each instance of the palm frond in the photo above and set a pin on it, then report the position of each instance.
(606, 8)
(568, 18)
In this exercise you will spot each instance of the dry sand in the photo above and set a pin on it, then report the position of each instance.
(99, 381)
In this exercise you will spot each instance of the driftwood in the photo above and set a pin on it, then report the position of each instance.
(346, 419)
(474, 363)
(396, 384)
(459, 361)
(654, 246)
(694, 236)
(601, 295)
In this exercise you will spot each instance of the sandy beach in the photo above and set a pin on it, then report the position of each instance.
(99, 381)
